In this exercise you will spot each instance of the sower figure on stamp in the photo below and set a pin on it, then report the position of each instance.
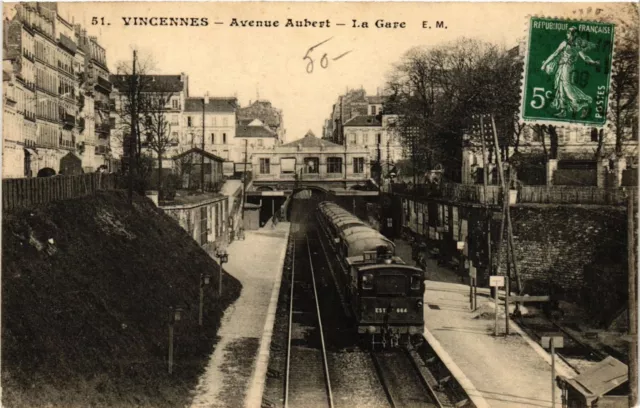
(568, 96)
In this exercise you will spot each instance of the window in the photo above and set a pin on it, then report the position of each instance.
(265, 167)
(260, 142)
(225, 121)
(538, 134)
(358, 165)
(311, 165)
(174, 137)
(367, 281)
(224, 138)
(379, 138)
(189, 123)
(174, 120)
(334, 165)
(175, 104)
(288, 165)
(594, 134)
(351, 138)
(213, 138)
(373, 110)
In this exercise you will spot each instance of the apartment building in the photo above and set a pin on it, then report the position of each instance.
(43, 69)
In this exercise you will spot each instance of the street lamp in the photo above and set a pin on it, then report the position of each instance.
(205, 279)
(175, 315)
(223, 257)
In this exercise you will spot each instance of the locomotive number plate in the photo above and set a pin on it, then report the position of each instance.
(397, 310)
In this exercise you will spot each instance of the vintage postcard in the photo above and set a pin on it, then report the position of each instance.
(308, 204)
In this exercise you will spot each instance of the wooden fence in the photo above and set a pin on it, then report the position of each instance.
(474, 193)
(574, 195)
(26, 192)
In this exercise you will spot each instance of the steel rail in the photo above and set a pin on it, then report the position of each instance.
(324, 350)
(383, 379)
(288, 360)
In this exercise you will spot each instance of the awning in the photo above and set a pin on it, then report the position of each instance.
(31, 151)
(288, 165)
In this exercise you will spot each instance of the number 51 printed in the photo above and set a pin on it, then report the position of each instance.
(567, 72)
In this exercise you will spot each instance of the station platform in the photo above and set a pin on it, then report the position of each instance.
(236, 373)
(495, 371)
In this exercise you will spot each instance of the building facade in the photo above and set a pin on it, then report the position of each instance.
(211, 118)
(205, 220)
(311, 159)
(173, 91)
(44, 68)
(268, 115)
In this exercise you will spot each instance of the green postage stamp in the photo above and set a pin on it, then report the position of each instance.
(567, 72)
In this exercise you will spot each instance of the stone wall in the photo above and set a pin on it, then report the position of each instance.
(554, 244)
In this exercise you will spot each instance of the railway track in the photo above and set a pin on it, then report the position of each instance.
(404, 387)
(574, 353)
(307, 379)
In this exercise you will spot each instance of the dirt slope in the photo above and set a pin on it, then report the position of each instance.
(86, 287)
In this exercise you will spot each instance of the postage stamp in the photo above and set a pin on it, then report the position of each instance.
(568, 71)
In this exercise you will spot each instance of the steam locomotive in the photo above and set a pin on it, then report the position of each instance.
(384, 294)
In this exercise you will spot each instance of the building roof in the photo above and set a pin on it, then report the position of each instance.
(197, 150)
(363, 120)
(310, 141)
(216, 104)
(263, 110)
(600, 379)
(254, 131)
(153, 83)
(377, 99)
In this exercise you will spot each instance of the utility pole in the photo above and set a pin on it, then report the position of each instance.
(506, 213)
(633, 304)
(205, 101)
(484, 188)
(132, 136)
(244, 181)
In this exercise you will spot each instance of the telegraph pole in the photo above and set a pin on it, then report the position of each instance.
(132, 136)
(205, 101)
(633, 304)
(484, 188)
(244, 181)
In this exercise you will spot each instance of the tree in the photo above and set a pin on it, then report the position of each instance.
(435, 92)
(623, 108)
(130, 84)
(157, 126)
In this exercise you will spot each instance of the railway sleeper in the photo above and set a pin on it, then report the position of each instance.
(273, 373)
(275, 346)
(267, 403)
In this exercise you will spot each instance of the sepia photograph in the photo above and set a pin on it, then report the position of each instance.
(319, 204)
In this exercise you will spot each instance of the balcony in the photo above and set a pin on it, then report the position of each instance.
(103, 129)
(103, 85)
(68, 121)
(68, 44)
(81, 124)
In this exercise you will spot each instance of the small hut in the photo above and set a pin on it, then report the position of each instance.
(604, 385)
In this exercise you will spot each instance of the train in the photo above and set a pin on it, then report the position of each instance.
(382, 292)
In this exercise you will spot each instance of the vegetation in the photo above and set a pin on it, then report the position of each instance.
(86, 287)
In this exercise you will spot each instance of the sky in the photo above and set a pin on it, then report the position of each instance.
(252, 62)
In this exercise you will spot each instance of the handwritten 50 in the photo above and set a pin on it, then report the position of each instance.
(324, 60)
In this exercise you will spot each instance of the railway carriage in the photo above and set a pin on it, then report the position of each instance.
(384, 294)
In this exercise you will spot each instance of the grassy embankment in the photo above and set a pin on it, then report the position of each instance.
(86, 287)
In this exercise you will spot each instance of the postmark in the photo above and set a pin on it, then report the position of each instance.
(567, 73)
